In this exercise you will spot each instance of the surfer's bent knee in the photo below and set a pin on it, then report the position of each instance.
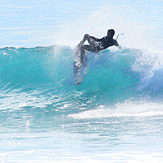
(86, 36)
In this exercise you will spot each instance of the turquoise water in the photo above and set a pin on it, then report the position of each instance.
(114, 115)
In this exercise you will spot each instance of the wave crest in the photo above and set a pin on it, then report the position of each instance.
(111, 76)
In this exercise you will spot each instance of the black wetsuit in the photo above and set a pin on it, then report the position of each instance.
(96, 45)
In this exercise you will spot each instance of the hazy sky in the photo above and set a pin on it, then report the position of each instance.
(32, 23)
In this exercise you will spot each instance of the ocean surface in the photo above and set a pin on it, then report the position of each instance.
(114, 115)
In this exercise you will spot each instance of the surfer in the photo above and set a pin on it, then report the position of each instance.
(96, 44)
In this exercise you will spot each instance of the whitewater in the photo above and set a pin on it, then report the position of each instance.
(114, 115)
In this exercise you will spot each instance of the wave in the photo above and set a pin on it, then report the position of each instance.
(112, 76)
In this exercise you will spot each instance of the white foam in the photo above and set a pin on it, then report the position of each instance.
(126, 109)
(97, 23)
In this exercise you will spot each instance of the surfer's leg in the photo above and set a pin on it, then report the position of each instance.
(89, 48)
(86, 37)
(90, 40)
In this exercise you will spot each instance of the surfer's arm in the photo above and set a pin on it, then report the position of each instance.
(116, 44)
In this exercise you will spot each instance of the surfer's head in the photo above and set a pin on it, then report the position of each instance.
(110, 33)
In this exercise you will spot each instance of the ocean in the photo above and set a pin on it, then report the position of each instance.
(114, 115)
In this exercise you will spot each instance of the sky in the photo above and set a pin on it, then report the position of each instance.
(46, 22)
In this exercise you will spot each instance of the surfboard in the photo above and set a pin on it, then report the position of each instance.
(79, 65)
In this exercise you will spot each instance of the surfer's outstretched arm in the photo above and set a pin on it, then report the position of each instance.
(116, 44)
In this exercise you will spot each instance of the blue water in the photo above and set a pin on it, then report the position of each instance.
(114, 115)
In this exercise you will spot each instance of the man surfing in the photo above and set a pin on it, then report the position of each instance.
(96, 44)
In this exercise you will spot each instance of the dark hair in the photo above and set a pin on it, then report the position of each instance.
(111, 32)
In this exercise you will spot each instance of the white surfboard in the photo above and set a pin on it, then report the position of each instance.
(79, 65)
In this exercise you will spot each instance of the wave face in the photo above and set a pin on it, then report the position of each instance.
(44, 116)
(112, 76)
